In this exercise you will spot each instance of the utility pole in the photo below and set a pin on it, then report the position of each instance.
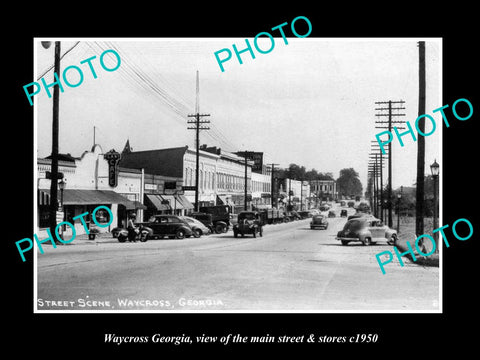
(272, 185)
(198, 126)
(247, 155)
(420, 190)
(390, 114)
(94, 135)
(373, 173)
(289, 193)
(376, 147)
(54, 165)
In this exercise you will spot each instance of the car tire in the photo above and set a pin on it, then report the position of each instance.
(344, 242)
(254, 233)
(235, 234)
(197, 233)
(392, 240)
(367, 242)
(220, 228)
(261, 232)
(122, 238)
(144, 237)
(180, 234)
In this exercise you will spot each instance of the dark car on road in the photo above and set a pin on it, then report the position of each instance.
(249, 222)
(319, 221)
(167, 225)
(343, 213)
(367, 230)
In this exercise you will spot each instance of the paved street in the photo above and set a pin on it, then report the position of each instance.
(290, 268)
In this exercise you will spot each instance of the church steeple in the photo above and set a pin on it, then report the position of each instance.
(127, 149)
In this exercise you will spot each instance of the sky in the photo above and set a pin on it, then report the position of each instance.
(311, 102)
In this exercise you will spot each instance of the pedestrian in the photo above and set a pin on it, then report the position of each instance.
(131, 228)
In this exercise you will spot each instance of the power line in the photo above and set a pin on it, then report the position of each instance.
(61, 57)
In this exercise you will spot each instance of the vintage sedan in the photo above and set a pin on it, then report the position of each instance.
(197, 226)
(367, 230)
(168, 225)
(249, 222)
(319, 222)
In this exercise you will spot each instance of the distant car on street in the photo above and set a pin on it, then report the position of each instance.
(319, 221)
(249, 222)
(331, 214)
(343, 213)
(367, 230)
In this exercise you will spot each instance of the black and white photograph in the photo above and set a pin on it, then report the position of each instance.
(206, 175)
(213, 180)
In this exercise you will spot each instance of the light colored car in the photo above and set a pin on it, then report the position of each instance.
(197, 226)
(319, 221)
(366, 229)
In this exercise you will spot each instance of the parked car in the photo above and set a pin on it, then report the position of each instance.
(343, 213)
(351, 203)
(197, 226)
(167, 225)
(205, 219)
(319, 221)
(367, 230)
(342, 203)
(331, 214)
(249, 222)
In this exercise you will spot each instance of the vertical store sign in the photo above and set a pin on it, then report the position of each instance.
(113, 158)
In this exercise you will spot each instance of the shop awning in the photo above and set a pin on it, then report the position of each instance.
(185, 202)
(90, 197)
(221, 200)
(156, 202)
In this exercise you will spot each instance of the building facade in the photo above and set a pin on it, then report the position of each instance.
(324, 189)
(86, 187)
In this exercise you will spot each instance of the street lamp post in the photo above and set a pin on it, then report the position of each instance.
(435, 169)
(62, 184)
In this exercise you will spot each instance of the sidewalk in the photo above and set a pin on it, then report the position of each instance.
(101, 238)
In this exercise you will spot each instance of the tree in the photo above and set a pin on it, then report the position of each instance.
(348, 183)
(295, 171)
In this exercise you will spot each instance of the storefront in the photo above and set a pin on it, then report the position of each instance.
(77, 202)
(176, 204)
(85, 187)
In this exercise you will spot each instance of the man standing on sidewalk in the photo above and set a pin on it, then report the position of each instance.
(131, 228)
